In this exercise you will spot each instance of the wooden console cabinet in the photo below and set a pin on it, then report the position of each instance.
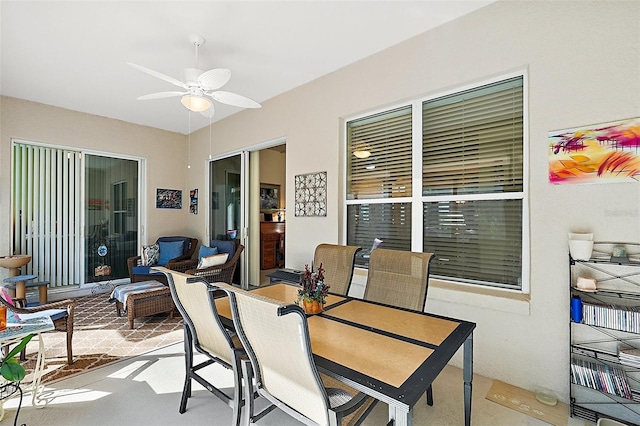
(272, 245)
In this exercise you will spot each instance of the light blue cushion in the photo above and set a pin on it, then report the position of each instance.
(206, 252)
(169, 250)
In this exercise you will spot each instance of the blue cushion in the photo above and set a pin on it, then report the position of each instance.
(140, 270)
(206, 252)
(186, 241)
(224, 247)
(169, 250)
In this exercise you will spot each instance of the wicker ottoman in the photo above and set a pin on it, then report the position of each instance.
(142, 299)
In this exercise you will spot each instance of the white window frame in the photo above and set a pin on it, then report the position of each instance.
(417, 199)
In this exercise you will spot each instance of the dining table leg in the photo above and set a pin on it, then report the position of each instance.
(468, 377)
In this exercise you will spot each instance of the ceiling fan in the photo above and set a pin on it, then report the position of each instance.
(198, 86)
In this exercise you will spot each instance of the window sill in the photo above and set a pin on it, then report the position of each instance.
(460, 294)
(479, 297)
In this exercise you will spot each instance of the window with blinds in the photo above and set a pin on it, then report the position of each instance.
(470, 189)
(473, 149)
(379, 163)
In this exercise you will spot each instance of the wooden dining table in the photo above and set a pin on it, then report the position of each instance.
(389, 353)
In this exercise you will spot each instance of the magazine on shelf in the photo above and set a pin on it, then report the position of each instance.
(629, 356)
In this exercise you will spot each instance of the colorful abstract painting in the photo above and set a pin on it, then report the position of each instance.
(602, 153)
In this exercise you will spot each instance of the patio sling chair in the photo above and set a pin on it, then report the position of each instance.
(279, 350)
(337, 262)
(203, 331)
(61, 314)
(401, 279)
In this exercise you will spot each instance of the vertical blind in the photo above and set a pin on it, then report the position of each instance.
(46, 211)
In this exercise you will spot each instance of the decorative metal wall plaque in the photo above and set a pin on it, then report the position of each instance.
(311, 194)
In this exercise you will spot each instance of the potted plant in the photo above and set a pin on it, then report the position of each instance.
(312, 290)
(10, 368)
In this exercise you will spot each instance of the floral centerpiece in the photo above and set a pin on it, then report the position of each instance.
(313, 290)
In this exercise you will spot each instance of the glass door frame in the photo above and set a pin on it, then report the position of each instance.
(140, 206)
(244, 210)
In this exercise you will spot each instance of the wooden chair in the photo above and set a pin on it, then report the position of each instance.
(338, 262)
(401, 279)
(203, 330)
(61, 314)
(268, 330)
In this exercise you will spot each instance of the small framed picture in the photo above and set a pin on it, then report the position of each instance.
(269, 196)
(168, 199)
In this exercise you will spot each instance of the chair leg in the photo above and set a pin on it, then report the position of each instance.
(188, 361)
(238, 401)
(69, 347)
(247, 375)
(430, 396)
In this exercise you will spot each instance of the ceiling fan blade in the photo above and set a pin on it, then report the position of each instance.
(214, 79)
(159, 75)
(234, 99)
(160, 95)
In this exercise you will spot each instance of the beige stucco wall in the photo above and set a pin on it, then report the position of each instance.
(164, 154)
(583, 63)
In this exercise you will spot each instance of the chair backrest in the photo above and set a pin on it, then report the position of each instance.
(188, 247)
(269, 330)
(337, 262)
(224, 246)
(398, 278)
(196, 305)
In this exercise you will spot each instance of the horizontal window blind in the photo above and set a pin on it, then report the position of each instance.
(389, 222)
(475, 241)
(471, 187)
(379, 155)
(473, 141)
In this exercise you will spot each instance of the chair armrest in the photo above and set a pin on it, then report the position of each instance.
(219, 273)
(182, 265)
(68, 304)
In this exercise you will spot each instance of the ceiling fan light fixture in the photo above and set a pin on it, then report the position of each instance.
(195, 103)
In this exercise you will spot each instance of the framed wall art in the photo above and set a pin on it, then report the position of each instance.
(269, 196)
(600, 153)
(311, 194)
(193, 202)
(168, 198)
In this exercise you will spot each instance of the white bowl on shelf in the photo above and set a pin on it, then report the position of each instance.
(580, 249)
(582, 236)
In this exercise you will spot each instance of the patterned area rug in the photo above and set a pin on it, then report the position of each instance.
(101, 337)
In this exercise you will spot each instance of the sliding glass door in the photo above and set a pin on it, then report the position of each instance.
(227, 215)
(76, 214)
(111, 217)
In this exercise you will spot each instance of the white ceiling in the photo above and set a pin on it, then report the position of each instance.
(73, 54)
